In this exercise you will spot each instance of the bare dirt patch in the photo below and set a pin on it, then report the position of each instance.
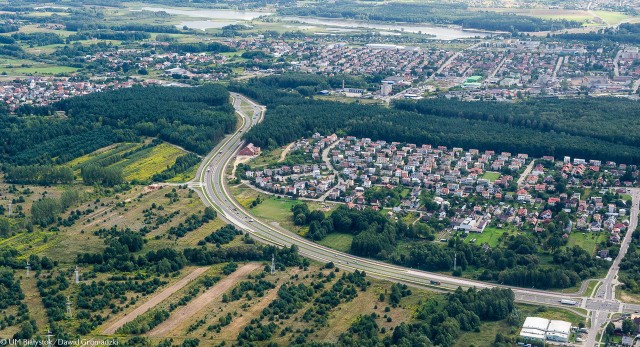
(155, 300)
(184, 313)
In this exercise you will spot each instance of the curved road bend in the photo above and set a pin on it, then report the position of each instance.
(210, 185)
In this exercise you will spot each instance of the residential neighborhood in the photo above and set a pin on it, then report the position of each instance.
(470, 189)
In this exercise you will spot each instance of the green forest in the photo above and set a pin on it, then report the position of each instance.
(583, 128)
(449, 13)
(193, 118)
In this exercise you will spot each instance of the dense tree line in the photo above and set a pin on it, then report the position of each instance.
(38, 39)
(109, 35)
(47, 210)
(194, 118)
(624, 33)
(221, 236)
(149, 28)
(251, 252)
(199, 47)
(442, 322)
(630, 265)
(449, 13)
(531, 127)
(105, 176)
(585, 117)
(183, 164)
(374, 234)
(13, 50)
(39, 174)
(123, 253)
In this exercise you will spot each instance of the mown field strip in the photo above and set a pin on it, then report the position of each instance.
(155, 300)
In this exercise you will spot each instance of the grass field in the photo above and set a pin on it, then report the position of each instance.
(101, 154)
(274, 209)
(485, 337)
(491, 236)
(587, 241)
(144, 164)
(491, 175)
(612, 18)
(140, 165)
(338, 241)
(35, 69)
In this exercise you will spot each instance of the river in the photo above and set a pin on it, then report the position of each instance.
(214, 18)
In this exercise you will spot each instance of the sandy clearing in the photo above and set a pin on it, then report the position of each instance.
(194, 306)
(286, 151)
(155, 300)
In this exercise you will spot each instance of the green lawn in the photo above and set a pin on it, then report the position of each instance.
(338, 241)
(491, 175)
(275, 209)
(586, 241)
(491, 236)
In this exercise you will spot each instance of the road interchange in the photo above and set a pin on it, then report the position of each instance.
(210, 185)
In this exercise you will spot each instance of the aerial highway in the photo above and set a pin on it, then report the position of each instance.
(210, 184)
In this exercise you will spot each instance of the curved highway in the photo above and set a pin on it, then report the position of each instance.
(211, 187)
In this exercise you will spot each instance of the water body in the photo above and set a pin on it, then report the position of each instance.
(442, 33)
(205, 24)
(214, 18)
(211, 14)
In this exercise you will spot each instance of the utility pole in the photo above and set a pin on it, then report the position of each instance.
(77, 273)
(10, 209)
(49, 336)
(28, 267)
(69, 315)
(455, 260)
(273, 264)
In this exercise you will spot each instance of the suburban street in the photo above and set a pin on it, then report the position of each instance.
(210, 185)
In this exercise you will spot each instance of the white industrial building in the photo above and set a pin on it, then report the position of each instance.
(540, 329)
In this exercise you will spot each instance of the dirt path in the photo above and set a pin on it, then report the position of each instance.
(526, 173)
(183, 313)
(239, 323)
(160, 297)
(286, 151)
(33, 300)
